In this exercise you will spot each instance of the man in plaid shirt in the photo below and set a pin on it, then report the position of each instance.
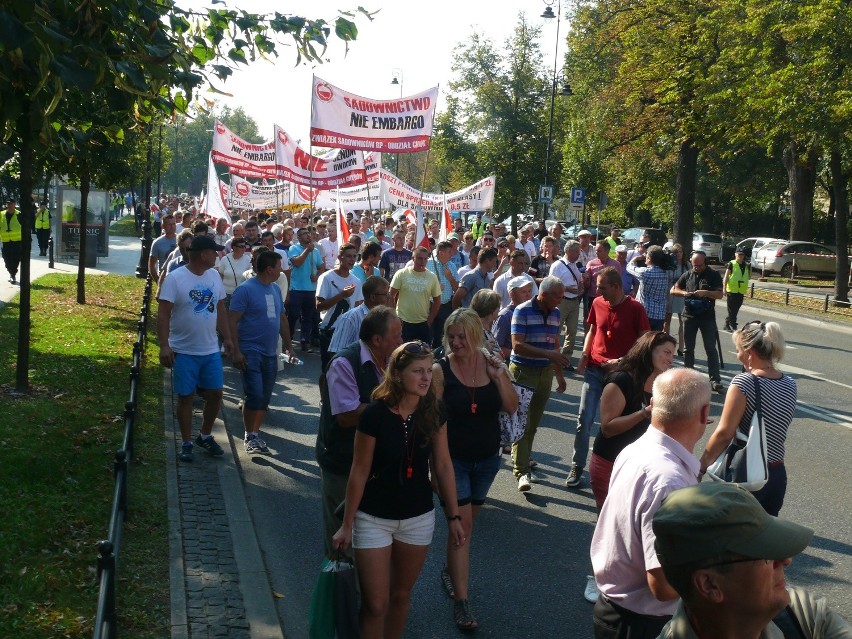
(654, 284)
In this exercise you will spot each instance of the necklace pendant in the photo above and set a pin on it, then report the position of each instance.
(409, 472)
(473, 408)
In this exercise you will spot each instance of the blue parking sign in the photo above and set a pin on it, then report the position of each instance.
(578, 195)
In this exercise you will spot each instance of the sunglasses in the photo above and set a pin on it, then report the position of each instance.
(416, 348)
(762, 325)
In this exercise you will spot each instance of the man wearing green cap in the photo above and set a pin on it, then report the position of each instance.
(725, 556)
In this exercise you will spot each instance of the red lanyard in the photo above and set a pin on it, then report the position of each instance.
(408, 448)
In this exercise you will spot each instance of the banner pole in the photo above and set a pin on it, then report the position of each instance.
(426, 164)
(311, 144)
(366, 182)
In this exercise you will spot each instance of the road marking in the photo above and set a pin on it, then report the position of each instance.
(823, 414)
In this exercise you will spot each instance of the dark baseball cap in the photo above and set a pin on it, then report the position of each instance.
(705, 521)
(204, 243)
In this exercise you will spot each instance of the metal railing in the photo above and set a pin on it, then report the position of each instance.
(828, 302)
(108, 549)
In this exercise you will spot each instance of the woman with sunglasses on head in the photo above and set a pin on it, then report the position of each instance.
(475, 385)
(389, 515)
(625, 404)
(760, 345)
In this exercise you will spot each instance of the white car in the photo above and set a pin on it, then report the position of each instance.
(708, 243)
(752, 245)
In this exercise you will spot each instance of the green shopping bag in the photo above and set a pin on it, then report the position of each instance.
(334, 603)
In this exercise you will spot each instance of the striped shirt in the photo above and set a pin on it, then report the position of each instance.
(654, 286)
(347, 327)
(778, 401)
(539, 329)
(438, 269)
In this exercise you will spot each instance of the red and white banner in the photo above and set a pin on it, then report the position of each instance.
(257, 197)
(446, 221)
(241, 157)
(335, 168)
(340, 223)
(420, 237)
(476, 197)
(343, 120)
(217, 194)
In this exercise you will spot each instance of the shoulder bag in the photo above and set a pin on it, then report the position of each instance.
(744, 461)
(513, 425)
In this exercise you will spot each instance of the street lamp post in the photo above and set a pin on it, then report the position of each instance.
(398, 78)
(566, 90)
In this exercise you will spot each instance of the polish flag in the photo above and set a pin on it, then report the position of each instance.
(446, 221)
(420, 238)
(340, 221)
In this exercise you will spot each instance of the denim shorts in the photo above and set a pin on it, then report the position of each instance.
(197, 371)
(374, 532)
(259, 379)
(473, 479)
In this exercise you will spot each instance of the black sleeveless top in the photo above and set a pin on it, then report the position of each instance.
(471, 436)
(609, 447)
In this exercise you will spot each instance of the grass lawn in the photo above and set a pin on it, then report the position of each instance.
(126, 227)
(56, 450)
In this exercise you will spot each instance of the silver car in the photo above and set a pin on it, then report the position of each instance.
(810, 258)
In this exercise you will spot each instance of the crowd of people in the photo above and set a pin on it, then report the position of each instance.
(421, 348)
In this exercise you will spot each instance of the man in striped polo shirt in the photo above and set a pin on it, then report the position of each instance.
(534, 360)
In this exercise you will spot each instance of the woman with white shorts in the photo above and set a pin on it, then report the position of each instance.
(390, 516)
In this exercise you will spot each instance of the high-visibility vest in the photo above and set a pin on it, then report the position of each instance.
(738, 283)
(10, 227)
(612, 246)
(477, 229)
(42, 219)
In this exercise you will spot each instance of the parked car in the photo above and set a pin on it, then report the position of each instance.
(709, 243)
(811, 258)
(753, 244)
(630, 237)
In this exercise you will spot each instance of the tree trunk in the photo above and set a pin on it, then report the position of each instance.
(841, 233)
(22, 371)
(684, 221)
(801, 164)
(85, 186)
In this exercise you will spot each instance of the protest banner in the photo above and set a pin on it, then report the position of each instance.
(217, 193)
(241, 157)
(257, 197)
(334, 168)
(344, 120)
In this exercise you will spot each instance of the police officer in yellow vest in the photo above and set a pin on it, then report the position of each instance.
(613, 241)
(42, 227)
(735, 286)
(477, 228)
(10, 235)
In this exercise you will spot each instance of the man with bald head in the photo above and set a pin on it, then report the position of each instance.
(635, 598)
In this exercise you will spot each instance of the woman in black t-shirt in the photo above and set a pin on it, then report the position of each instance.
(389, 516)
(625, 404)
(474, 385)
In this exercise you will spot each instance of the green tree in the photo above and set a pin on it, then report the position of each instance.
(153, 51)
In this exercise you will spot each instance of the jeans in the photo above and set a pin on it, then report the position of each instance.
(438, 324)
(735, 301)
(771, 496)
(590, 399)
(302, 305)
(541, 379)
(259, 379)
(419, 331)
(707, 325)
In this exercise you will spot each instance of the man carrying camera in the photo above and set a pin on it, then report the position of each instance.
(700, 287)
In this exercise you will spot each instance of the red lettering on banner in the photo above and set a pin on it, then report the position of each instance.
(309, 162)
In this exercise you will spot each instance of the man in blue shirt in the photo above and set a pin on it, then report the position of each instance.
(257, 318)
(534, 361)
(307, 267)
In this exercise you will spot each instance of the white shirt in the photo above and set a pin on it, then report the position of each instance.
(329, 285)
(330, 250)
(569, 275)
(501, 287)
(232, 269)
(192, 329)
(529, 247)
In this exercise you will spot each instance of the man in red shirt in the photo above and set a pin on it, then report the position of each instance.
(615, 322)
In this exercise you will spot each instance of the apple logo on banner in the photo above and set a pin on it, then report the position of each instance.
(306, 192)
(220, 128)
(242, 189)
(324, 92)
(282, 137)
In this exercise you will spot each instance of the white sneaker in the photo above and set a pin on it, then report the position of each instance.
(534, 479)
(252, 445)
(524, 483)
(591, 593)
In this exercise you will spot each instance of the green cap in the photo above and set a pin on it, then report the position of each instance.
(453, 236)
(711, 519)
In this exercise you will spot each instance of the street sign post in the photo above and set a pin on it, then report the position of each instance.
(545, 194)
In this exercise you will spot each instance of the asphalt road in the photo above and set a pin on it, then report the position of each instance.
(530, 551)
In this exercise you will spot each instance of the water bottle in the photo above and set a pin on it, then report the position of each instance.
(292, 360)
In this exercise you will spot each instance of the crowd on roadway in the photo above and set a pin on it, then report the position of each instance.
(422, 344)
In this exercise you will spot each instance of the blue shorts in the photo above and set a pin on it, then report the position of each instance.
(259, 379)
(473, 479)
(197, 371)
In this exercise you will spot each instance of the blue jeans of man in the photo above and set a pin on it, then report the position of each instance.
(302, 305)
(590, 400)
(707, 325)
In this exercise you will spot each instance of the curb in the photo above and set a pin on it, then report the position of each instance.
(836, 327)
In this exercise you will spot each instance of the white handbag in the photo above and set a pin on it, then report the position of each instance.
(744, 461)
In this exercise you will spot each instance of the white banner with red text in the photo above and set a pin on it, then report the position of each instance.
(257, 197)
(343, 120)
(241, 157)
